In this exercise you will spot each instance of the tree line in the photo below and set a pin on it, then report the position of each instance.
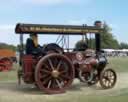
(8, 46)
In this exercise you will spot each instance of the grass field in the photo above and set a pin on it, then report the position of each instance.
(11, 92)
(9, 76)
(120, 64)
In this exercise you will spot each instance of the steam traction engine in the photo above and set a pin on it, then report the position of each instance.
(54, 70)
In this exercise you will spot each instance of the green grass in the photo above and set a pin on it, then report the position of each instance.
(9, 75)
(120, 64)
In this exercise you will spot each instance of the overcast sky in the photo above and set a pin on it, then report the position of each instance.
(114, 12)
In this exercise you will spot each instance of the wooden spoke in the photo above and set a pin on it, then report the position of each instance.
(51, 65)
(45, 66)
(46, 71)
(42, 76)
(112, 76)
(49, 83)
(62, 72)
(105, 81)
(58, 66)
(61, 80)
(59, 84)
(110, 84)
(46, 80)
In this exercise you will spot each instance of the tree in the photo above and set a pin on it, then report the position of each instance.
(81, 45)
(123, 45)
(107, 38)
(7, 46)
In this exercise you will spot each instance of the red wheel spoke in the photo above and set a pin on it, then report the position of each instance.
(43, 76)
(46, 71)
(45, 66)
(58, 66)
(61, 80)
(46, 80)
(49, 84)
(51, 65)
(59, 84)
(62, 72)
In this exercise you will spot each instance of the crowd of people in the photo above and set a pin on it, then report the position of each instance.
(116, 53)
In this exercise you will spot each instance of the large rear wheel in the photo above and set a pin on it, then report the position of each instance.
(54, 73)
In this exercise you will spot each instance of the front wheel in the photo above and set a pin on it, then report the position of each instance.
(108, 78)
(88, 77)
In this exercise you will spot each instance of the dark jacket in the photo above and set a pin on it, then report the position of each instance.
(31, 48)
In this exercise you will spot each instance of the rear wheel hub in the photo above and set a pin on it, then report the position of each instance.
(55, 73)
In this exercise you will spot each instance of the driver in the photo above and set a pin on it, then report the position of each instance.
(32, 46)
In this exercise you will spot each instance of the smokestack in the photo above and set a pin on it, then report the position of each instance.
(97, 36)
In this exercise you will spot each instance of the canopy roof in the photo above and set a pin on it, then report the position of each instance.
(56, 29)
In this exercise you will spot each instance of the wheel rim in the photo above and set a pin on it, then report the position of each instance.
(108, 78)
(84, 76)
(89, 78)
(55, 74)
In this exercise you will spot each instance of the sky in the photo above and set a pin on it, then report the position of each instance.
(77, 12)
